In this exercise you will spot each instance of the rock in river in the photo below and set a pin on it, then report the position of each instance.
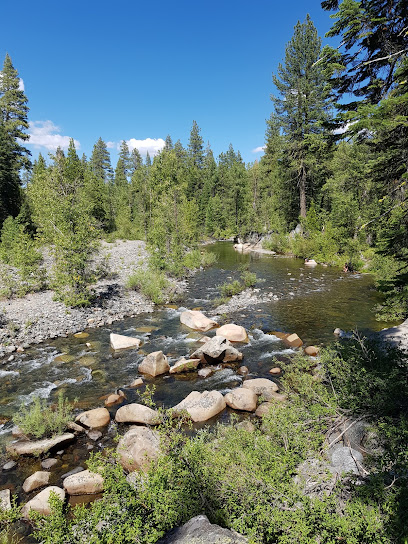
(154, 364)
(201, 406)
(197, 321)
(137, 413)
(138, 448)
(93, 419)
(217, 349)
(184, 365)
(36, 447)
(119, 341)
(36, 480)
(233, 333)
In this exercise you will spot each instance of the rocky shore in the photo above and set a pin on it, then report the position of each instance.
(37, 317)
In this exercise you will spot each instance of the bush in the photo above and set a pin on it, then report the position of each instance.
(151, 282)
(40, 421)
(196, 258)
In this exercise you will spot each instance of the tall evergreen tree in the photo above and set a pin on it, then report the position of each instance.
(10, 192)
(100, 161)
(14, 111)
(302, 105)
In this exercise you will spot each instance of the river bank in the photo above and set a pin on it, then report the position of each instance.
(37, 317)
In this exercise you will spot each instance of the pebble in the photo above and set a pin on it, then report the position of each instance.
(94, 435)
(49, 463)
(10, 465)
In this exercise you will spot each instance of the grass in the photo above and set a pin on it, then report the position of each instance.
(41, 421)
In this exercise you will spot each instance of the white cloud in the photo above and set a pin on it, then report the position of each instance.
(21, 85)
(111, 145)
(259, 149)
(46, 134)
(151, 145)
(344, 128)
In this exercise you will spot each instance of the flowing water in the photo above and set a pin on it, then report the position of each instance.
(309, 301)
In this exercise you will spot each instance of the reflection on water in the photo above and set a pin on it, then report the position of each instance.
(310, 302)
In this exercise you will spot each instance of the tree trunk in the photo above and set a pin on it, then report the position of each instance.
(302, 189)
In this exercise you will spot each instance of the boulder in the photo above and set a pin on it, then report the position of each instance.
(83, 483)
(154, 364)
(137, 413)
(312, 351)
(293, 341)
(36, 480)
(233, 333)
(93, 419)
(206, 372)
(138, 448)
(218, 349)
(197, 320)
(242, 399)
(40, 502)
(310, 262)
(201, 406)
(119, 341)
(184, 365)
(275, 370)
(49, 463)
(243, 370)
(263, 409)
(346, 459)
(261, 386)
(200, 531)
(114, 399)
(136, 382)
(5, 499)
(37, 447)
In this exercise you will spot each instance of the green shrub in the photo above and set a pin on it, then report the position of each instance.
(151, 282)
(40, 421)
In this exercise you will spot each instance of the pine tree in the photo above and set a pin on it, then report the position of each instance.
(168, 144)
(10, 192)
(302, 106)
(100, 161)
(13, 111)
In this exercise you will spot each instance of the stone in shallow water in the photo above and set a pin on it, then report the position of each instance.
(137, 413)
(49, 463)
(261, 386)
(242, 399)
(81, 335)
(9, 466)
(197, 321)
(217, 349)
(36, 447)
(36, 480)
(233, 333)
(119, 341)
(184, 365)
(154, 364)
(98, 417)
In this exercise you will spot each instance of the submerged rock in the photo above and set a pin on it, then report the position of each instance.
(36, 447)
(218, 349)
(40, 503)
(201, 406)
(5, 499)
(138, 448)
(197, 320)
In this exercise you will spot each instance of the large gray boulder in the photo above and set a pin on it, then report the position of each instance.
(200, 531)
(119, 341)
(154, 364)
(345, 459)
(138, 448)
(36, 480)
(218, 349)
(261, 386)
(83, 483)
(94, 419)
(40, 503)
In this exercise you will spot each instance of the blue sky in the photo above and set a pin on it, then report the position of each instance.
(141, 70)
